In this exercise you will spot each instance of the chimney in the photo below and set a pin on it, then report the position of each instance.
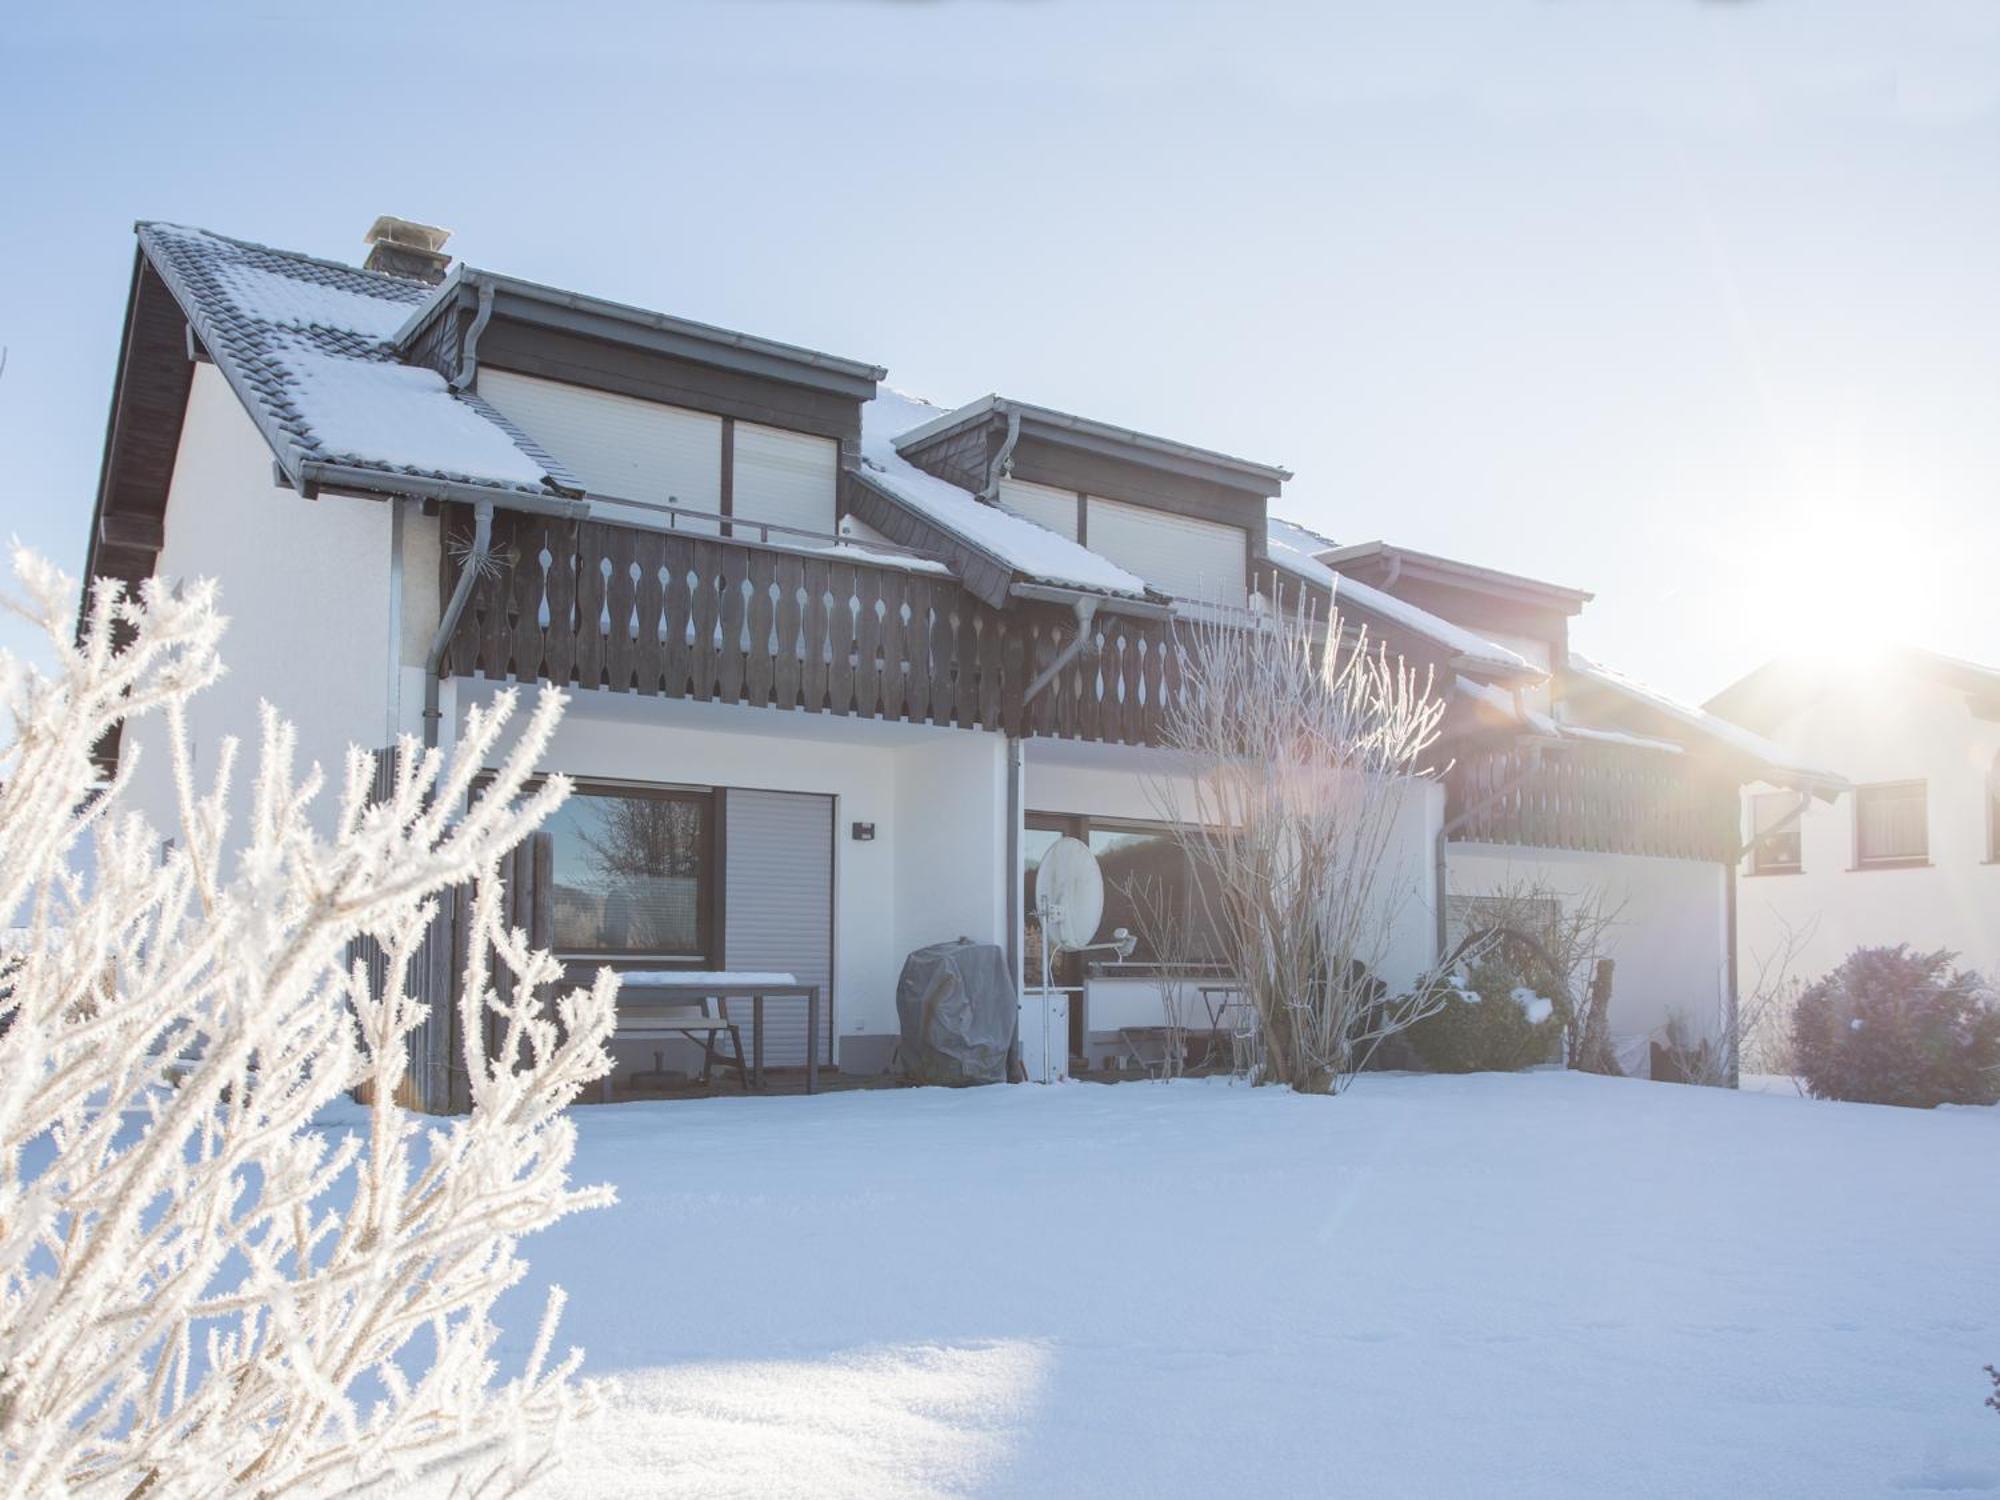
(403, 247)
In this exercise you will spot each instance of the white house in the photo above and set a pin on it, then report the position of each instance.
(842, 662)
(1912, 854)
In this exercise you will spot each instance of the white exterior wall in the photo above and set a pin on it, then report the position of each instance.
(1671, 940)
(1123, 782)
(937, 798)
(306, 585)
(1873, 729)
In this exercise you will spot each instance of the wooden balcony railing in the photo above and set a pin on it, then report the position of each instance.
(722, 619)
(1597, 797)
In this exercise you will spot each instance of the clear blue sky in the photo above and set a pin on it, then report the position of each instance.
(1692, 304)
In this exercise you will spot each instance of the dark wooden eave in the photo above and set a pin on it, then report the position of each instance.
(142, 433)
(985, 576)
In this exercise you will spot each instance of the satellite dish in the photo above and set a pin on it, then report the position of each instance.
(1069, 890)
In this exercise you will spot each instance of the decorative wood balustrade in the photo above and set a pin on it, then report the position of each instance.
(599, 605)
(594, 604)
(1597, 797)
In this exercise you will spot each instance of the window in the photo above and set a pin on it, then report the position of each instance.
(1891, 824)
(1205, 561)
(1993, 813)
(1141, 862)
(1774, 853)
(627, 449)
(634, 873)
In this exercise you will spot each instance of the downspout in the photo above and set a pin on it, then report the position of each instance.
(1729, 926)
(1017, 960)
(998, 468)
(482, 547)
(1086, 611)
(468, 355)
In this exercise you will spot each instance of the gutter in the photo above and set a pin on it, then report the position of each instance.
(315, 474)
(482, 548)
(1111, 604)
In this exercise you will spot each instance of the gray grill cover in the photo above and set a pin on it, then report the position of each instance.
(957, 1008)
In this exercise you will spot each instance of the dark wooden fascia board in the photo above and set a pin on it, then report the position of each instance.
(1182, 465)
(983, 575)
(553, 354)
(657, 334)
(1477, 610)
(142, 431)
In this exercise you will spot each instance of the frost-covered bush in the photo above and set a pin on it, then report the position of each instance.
(201, 1294)
(1893, 1026)
(1495, 1021)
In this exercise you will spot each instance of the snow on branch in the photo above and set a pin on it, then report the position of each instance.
(200, 1292)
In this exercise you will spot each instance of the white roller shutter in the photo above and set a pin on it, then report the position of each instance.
(618, 445)
(1179, 555)
(787, 477)
(1041, 503)
(778, 885)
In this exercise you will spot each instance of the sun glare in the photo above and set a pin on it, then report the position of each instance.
(1838, 590)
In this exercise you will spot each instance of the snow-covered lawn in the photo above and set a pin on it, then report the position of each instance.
(1539, 1284)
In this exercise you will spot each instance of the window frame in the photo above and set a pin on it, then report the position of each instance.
(1865, 861)
(1080, 826)
(1992, 805)
(1760, 862)
(711, 879)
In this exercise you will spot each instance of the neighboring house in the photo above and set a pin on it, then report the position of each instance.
(1912, 855)
(843, 662)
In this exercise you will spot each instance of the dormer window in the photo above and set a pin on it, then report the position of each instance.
(664, 422)
(1189, 521)
(640, 458)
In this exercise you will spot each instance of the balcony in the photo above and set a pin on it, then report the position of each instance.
(1601, 798)
(774, 618)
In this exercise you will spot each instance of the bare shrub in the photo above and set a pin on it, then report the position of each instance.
(1303, 749)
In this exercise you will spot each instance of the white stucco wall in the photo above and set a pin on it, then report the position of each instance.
(1670, 942)
(937, 799)
(306, 587)
(1872, 728)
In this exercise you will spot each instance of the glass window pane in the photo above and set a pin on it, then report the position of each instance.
(630, 874)
(1891, 822)
(1775, 851)
(1137, 862)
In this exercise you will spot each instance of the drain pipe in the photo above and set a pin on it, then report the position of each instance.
(1086, 611)
(1002, 459)
(468, 355)
(1017, 958)
(482, 548)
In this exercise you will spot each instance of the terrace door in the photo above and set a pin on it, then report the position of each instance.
(778, 910)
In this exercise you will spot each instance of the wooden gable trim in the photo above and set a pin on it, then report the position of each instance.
(142, 432)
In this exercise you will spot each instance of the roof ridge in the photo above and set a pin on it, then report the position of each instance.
(380, 278)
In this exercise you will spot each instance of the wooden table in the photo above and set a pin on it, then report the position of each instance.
(677, 991)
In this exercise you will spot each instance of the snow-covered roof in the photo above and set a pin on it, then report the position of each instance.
(1292, 547)
(1020, 544)
(307, 345)
(1777, 761)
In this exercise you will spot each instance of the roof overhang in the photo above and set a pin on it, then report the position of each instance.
(541, 306)
(1104, 439)
(1380, 564)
